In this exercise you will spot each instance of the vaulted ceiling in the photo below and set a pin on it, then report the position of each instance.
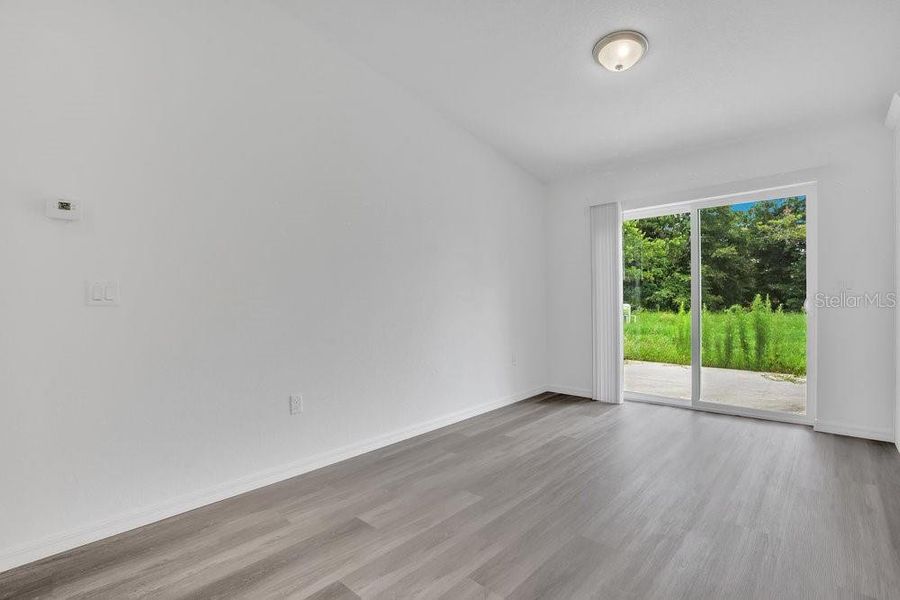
(519, 73)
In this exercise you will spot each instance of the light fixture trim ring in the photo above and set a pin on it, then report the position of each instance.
(622, 34)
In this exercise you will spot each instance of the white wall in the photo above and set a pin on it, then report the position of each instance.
(281, 219)
(852, 163)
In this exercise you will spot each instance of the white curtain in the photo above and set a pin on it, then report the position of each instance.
(606, 262)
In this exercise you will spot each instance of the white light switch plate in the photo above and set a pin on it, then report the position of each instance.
(296, 406)
(101, 293)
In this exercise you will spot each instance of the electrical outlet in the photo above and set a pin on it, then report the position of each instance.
(515, 360)
(296, 405)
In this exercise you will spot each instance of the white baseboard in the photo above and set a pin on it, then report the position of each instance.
(882, 435)
(48, 546)
(561, 389)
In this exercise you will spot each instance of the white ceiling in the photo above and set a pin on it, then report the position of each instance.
(519, 73)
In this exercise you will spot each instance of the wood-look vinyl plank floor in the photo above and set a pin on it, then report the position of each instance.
(553, 497)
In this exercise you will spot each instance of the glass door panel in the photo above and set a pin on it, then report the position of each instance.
(753, 294)
(656, 254)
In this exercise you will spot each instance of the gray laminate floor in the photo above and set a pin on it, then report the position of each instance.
(554, 497)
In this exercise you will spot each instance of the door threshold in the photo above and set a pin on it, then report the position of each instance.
(722, 409)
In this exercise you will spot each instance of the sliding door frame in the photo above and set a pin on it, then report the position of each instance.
(807, 189)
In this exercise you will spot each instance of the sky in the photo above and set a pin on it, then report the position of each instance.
(745, 206)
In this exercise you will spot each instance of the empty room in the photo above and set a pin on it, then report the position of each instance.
(433, 299)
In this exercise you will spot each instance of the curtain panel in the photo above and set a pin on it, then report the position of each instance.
(606, 263)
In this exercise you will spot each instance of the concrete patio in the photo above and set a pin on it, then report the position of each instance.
(749, 389)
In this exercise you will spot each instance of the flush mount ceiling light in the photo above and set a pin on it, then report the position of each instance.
(620, 50)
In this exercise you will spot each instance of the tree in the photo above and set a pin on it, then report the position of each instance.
(746, 249)
(656, 256)
(726, 267)
(779, 245)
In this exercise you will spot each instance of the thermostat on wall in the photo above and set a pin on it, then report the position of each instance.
(68, 210)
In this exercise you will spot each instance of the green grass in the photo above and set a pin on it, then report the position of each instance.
(755, 339)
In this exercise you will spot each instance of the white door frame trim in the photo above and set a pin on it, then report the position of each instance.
(807, 189)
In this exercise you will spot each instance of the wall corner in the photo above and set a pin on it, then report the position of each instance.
(892, 121)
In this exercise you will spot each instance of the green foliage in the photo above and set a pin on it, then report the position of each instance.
(728, 329)
(757, 249)
(683, 331)
(706, 341)
(726, 263)
(743, 337)
(657, 262)
(753, 265)
(659, 336)
(755, 339)
(761, 313)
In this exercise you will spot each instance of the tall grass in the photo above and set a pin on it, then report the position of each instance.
(761, 313)
(753, 339)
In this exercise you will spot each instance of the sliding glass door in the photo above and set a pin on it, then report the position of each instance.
(753, 293)
(716, 313)
(657, 313)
